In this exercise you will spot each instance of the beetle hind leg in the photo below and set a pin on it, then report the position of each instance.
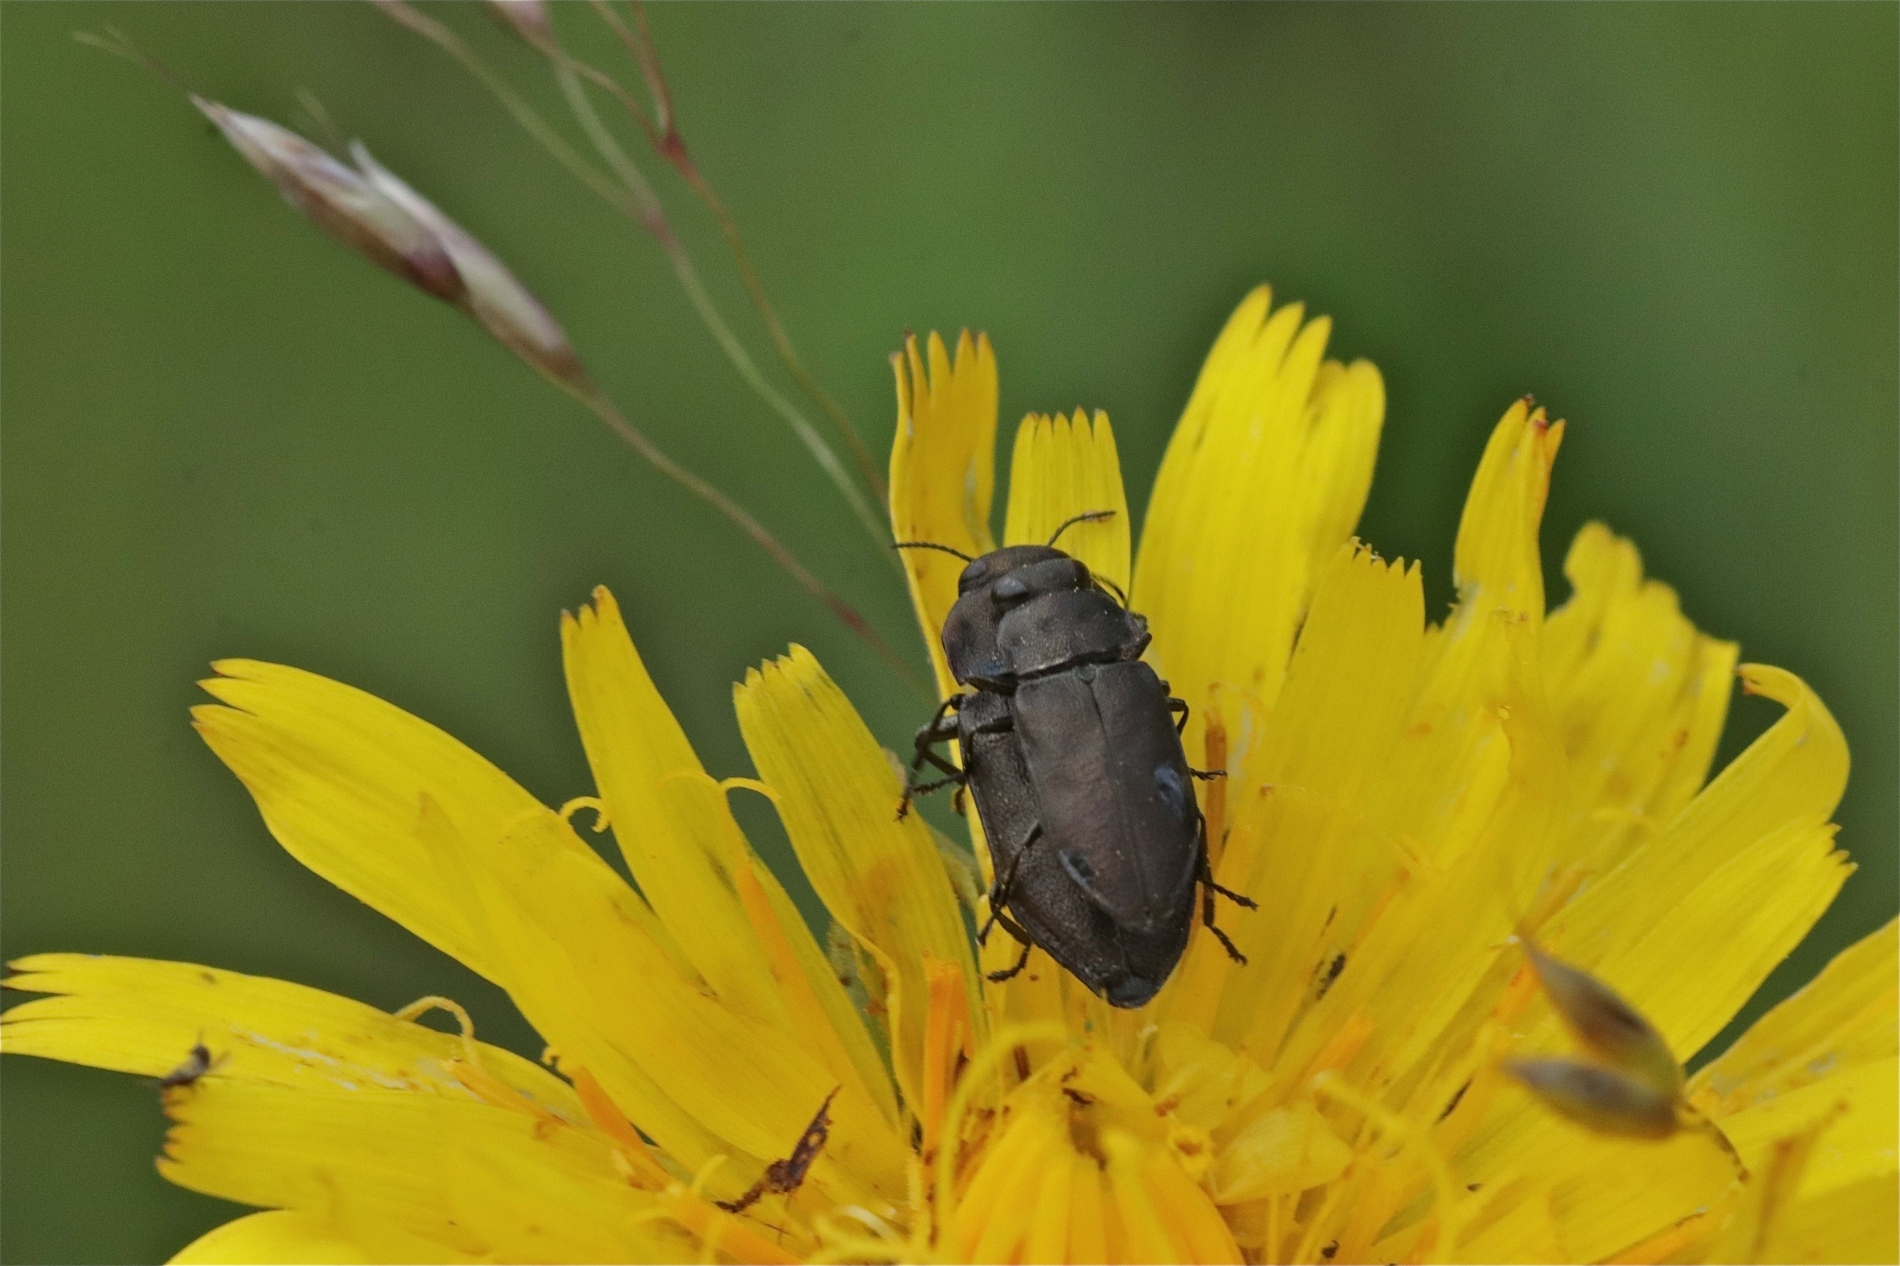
(999, 894)
(999, 897)
(1015, 929)
(1208, 890)
(998, 977)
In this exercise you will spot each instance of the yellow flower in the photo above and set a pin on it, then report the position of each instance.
(1402, 798)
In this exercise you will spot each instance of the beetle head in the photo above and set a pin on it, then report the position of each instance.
(998, 563)
(990, 588)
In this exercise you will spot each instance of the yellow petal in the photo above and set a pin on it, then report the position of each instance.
(140, 1015)
(476, 1179)
(821, 1010)
(1496, 554)
(1063, 467)
(1862, 1106)
(605, 995)
(290, 1237)
(1049, 1227)
(1600, 1194)
(1481, 736)
(1842, 1019)
(1304, 779)
(1771, 1188)
(1622, 1190)
(1283, 1151)
(882, 879)
(1639, 698)
(990, 1223)
(1695, 917)
(943, 472)
(1148, 1238)
(514, 906)
(1688, 925)
(1188, 1216)
(675, 841)
(1459, 868)
(337, 772)
(1263, 480)
(1088, 1223)
(1856, 1223)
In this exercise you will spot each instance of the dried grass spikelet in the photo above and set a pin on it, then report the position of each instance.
(1632, 1087)
(493, 295)
(527, 18)
(340, 201)
(374, 212)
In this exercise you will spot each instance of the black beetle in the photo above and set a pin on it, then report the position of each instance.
(1072, 750)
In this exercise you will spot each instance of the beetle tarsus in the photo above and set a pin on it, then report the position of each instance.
(1245, 903)
(998, 977)
(1226, 944)
(925, 788)
(1207, 775)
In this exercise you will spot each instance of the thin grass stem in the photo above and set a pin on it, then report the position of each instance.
(603, 408)
(662, 132)
(642, 192)
(638, 202)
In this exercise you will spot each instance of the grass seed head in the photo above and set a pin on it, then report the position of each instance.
(340, 201)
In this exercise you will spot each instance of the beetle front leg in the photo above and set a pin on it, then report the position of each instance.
(941, 729)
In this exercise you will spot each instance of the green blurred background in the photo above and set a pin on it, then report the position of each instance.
(224, 435)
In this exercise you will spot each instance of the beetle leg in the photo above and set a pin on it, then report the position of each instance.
(999, 894)
(913, 790)
(999, 977)
(1180, 707)
(1208, 889)
(942, 729)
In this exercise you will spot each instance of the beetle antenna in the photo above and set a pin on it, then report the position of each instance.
(1087, 516)
(933, 545)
